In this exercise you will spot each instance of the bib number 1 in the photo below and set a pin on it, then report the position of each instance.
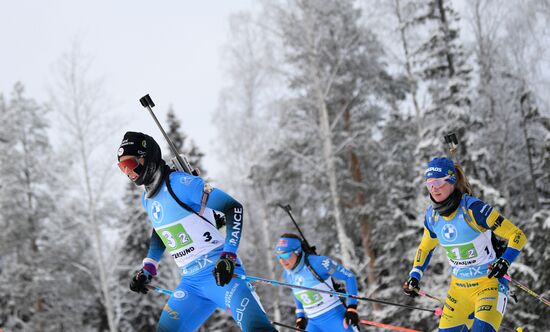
(466, 251)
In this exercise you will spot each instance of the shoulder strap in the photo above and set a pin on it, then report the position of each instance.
(312, 270)
(182, 204)
(336, 288)
(315, 274)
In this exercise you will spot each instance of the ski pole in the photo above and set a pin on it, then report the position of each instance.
(169, 292)
(387, 326)
(527, 290)
(422, 293)
(159, 290)
(288, 326)
(339, 294)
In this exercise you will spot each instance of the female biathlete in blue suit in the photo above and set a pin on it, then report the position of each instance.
(180, 208)
(463, 224)
(317, 311)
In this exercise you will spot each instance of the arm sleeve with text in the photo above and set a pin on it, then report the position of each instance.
(327, 268)
(488, 217)
(233, 211)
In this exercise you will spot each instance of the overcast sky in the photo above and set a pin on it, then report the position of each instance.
(170, 49)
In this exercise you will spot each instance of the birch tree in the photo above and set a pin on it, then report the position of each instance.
(77, 99)
(335, 67)
(242, 119)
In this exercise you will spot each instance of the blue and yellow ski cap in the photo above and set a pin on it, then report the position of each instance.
(440, 168)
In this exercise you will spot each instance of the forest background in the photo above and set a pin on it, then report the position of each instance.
(333, 107)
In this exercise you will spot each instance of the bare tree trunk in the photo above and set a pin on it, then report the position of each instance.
(31, 219)
(445, 26)
(94, 225)
(412, 82)
(77, 107)
(366, 230)
(411, 79)
(524, 102)
(346, 245)
(268, 253)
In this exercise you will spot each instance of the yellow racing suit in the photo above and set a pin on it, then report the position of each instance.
(474, 302)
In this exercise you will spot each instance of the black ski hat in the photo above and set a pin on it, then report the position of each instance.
(142, 146)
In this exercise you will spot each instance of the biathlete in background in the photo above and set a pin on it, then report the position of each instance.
(463, 225)
(181, 210)
(317, 311)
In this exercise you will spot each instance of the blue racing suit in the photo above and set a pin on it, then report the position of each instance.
(325, 312)
(195, 243)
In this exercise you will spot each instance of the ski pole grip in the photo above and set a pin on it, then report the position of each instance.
(147, 101)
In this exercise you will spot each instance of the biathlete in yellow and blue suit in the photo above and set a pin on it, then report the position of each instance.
(463, 225)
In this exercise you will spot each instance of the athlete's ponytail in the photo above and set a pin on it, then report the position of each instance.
(462, 182)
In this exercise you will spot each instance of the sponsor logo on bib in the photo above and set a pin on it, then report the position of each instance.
(156, 212)
(449, 232)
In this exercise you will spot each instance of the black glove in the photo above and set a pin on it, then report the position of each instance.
(301, 323)
(223, 271)
(140, 281)
(220, 220)
(411, 287)
(499, 268)
(351, 317)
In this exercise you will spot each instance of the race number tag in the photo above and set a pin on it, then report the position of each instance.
(308, 297)
(174, 237)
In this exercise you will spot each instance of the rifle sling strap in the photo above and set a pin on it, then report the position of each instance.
(185, 206)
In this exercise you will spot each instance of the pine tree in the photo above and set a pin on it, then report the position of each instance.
(26, 207)
(179, 138)
(330, 122)
(441, 61)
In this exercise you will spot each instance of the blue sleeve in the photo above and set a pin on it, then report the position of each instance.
(233, 211)
(299, 307)
(326, 268)
(428, 227)
(156, 247)
(481, 212)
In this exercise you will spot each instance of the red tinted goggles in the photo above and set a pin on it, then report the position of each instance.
(131, 167)
(436, 183)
